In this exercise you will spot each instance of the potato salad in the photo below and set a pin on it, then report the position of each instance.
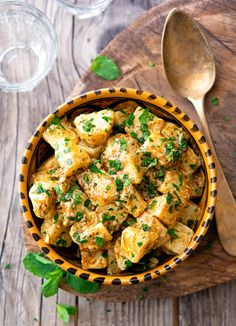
(123, 186)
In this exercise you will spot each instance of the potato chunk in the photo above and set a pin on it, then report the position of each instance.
(112, 216)
(176, 245)
(91, 238)
(122, 262)
(93, 152)
(98, 185)
(43, 200)
(112, 265)
(138, 240)
(163, 207)
(55, 234)
(94, 260)
(71, 157)
(58, 130)
(132, 201)
(175, 182)
(189, 162)
(49, 165)
(95, 128)
(196, 184)
(142, 123)
(124, 110)
(120, 158)
(189, 214)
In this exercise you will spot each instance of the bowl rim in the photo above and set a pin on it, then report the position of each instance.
(183, 119)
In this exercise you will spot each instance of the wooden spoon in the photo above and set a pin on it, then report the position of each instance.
(190, 69)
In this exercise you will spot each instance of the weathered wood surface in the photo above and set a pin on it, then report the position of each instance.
(20, 300)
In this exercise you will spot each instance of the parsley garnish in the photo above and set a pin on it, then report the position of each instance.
(172, 233)
(190, 223)
(119, 184)
(127, 180)
(139, 244)
(148, 161)
(87, 126)
(145, 227)
(128, 263)
(87, 203)
(61, 243)
(214, 100)
(79, 216)
(107, 217)
(130, 120)
(99, 241)
(55, 219)
(115, 164)
(57, 122)
(197, 191)
(160, 175)
(192, 166)
(41, 190)
(107, 119)
(77, 238)
(123, 144)
(93, 168)
(86, 178)
(153, 203)
(169, 198)
(7, 266)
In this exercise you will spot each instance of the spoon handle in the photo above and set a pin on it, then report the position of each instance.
(226, 206)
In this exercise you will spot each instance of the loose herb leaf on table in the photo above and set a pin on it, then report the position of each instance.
(43, 267)
(64, 311)
(105, 68)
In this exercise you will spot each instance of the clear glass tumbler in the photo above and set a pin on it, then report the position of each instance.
(28, 46)
(85, 8)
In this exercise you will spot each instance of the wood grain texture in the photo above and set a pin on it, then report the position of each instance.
(20, 300)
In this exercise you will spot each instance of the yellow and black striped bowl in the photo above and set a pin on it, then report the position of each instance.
(37, 151)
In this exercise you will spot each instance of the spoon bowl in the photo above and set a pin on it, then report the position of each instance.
(187, 58)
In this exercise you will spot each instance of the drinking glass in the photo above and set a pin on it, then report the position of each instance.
(85, 8)
(28, 46)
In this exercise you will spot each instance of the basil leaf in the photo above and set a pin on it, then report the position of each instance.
(50, 287)
(105, 68)
(80, 285)
(64, 311)
(38, 265)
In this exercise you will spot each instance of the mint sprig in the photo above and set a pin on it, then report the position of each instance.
(105, 68)
(43, 267)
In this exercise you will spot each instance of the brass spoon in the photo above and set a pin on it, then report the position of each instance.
(190, 69)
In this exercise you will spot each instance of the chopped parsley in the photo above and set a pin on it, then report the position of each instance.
(108, 187)
(180, 179)
(78, 239)
(145, 227)
(7, 266)
(61, 243)
(169, 198)
(106, 118)
(226, 119)
(214, 101)
(151, 64)
(127, 180)
(77, 199)
(87, 203)
(79, 216)
(172, 233)
(115, 164)
(105, 255)
(55, 219)
(52, 171)
(130, 120)
(192, 166)
(99, 241)
(139, 244)
(161, 175)
(123, 144)
(41, 190)
(119, 184)
(127, 263)
(197, 191)
(108, 217)
(86, 178)
(153, 203)
(88, 125)
(148, 161)
(93, 168)
(56, 121)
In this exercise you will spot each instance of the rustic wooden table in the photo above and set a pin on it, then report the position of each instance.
(20, 300)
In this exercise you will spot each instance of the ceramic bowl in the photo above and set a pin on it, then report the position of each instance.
(37, 151)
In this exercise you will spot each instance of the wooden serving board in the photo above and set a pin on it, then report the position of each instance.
(134, 49)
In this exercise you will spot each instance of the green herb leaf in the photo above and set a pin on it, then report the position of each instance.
(226, 119)
(139, 244)
(115, 164)
(55, 219)
(105, 68)
(93, 168)
(151, 64)
(145, 227)
(64, 311)
(123, 144)
(86, 178)
(7, 266)
(107, 119)
(38, 265)
(88, 125)
(190, 223)
(80, 285)
(172, 233)
(77, 238)
(153, 203)
(160, 175)
(57, 122)
(128, 263)
(169, 198)
(130, 120)
(87, 203)
(50, 287)
(192, 166)
(214, 100)
(119, 184)
(107, 217)
(148, 161)
(41, 190)
(197, 191)
(99, 241)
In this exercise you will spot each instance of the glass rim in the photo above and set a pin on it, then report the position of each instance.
(78, 6)
(49, 28)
